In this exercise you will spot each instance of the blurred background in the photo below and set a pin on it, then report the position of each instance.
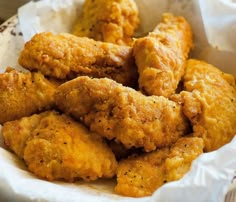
(9, 8)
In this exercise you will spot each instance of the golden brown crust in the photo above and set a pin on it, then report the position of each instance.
(111, 21)
(23, 94)
(210, 103)
(56, 147)
(142, 175)
(161, 56)
(119, 112)
(67, 56)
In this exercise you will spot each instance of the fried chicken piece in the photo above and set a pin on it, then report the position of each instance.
(111, 21)
(22, 94)
(121, 113)
(66, 56)
(210, 103)
(141, 175)
(161, 56)
(56, 147)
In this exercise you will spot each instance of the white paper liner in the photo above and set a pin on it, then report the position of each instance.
(214, 27)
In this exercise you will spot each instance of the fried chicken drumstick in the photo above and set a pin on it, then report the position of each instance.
(210, 103)
(121, 113)
(161, 56)
(66, 56)
(23, 94)
(111, 21)
(54, 147)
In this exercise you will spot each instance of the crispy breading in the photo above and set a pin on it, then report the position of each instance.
(66, 56)
(141, 175)
(210, 103)
(55, 147)
(119, 112)
(22, 94)
(111, 21)
(161, 56)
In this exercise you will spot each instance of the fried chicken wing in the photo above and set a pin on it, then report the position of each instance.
(55, 147)
(161, 56)
(66, 56)
(210, 103)
(121, 113)
(111, 21)
(22, 94)
(141, 175)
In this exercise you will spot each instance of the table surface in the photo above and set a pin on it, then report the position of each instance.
(9, 8)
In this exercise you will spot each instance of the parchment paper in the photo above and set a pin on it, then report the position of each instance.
(214, 27)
